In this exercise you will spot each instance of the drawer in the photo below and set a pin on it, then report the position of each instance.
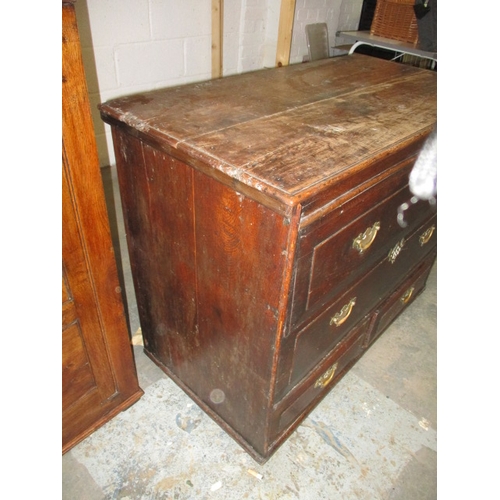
(344, 244)
(401, 298)
(305, 395)
(320, 336)
(407, 252)
(323, 332)
(303, 399)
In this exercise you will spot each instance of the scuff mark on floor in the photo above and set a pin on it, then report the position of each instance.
(186, 423)
(329, 438)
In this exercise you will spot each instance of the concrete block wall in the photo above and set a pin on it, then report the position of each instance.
(133, 46)
(339, 15)
(349, 16)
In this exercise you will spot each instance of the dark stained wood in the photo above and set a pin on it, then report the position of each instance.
(319, 335)
(242, 198)
(98, 371)
(315, 114)
(327, 261)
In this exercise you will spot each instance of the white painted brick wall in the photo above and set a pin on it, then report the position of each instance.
(350, 13)
(337, 14)
(252, 35)
(138, 45)
(133, 46)
(349, 16)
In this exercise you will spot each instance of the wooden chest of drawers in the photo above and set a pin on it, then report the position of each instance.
(261, 217)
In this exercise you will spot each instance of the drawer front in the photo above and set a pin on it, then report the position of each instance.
(307, 395)
(299, 402)
(320, 336)
(407, 252)
(324, 332)
(401, 299)
(348, 241)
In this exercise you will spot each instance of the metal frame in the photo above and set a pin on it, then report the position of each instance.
(401, 48)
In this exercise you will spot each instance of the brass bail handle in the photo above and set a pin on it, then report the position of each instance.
(426, 236)
(344, 313)
(363, 241)
(327, 377)
(407, 295)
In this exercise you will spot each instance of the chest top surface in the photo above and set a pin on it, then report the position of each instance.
(286, 131)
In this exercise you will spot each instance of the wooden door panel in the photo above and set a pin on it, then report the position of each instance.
(77, 375)
(80, 282)
(99, 378)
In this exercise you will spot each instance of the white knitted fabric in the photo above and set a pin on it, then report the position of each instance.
(423, 177)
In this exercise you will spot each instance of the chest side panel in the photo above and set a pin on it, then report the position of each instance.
(241, 262)
(156, 192)
(210, 269)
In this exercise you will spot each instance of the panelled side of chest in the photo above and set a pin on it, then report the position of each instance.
(211, 271)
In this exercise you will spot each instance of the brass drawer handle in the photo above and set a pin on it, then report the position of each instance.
(364, 240)
(407, 295)
(327, 377)
(426, 236)
(393, 254)
(344, 313)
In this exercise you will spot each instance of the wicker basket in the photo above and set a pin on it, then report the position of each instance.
(395, 19)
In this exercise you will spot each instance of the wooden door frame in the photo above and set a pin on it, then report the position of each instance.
(284, 43)
(217, 37)
(285, 30)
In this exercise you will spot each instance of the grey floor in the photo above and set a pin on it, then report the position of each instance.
(373, 437)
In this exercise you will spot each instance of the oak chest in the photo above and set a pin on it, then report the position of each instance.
(261, 218)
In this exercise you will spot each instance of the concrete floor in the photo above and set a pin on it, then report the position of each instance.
(373, 437)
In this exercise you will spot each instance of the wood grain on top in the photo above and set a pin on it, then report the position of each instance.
(286, 130)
